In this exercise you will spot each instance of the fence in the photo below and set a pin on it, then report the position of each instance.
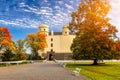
(16, 62)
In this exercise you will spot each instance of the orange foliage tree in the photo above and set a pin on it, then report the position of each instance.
(6, 44)
(117, 49)
(5, 37)
(94, 34)
(36, 42)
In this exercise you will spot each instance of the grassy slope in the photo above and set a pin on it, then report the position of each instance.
(107, 71)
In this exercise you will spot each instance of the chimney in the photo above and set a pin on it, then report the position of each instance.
(52, 33)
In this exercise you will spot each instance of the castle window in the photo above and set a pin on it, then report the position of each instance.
(44, 29)
(51, 39)
(51, 50)
(65, 32)
(51, 44)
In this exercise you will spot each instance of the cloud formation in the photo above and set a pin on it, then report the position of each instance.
(115, 13)
(51, 12)
(54, 13)
(24, 23)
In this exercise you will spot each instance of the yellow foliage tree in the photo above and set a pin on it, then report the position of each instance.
(36, 42)
(94, 34)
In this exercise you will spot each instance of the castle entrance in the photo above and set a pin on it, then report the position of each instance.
(50, 56)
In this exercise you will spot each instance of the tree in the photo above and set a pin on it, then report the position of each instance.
(8, 54)
(6, 44)
(36, 42)
(5, 38)
(20, 50)
(117, 49)
(94, 34)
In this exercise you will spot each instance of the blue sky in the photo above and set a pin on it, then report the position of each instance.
(24, 16)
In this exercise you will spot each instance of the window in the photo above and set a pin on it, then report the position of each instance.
(44, 29)
(51, 39)
(51, 44)
(51, 50)
(65, 32)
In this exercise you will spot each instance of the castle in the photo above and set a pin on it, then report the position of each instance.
(58, 43)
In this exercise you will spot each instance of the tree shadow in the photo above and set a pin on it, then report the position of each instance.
(99, 72)
(99, 64)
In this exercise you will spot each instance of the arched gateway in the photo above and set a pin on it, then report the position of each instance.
(50, 56)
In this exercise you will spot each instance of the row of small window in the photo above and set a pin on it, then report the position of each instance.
(51, 44)
(40, 29)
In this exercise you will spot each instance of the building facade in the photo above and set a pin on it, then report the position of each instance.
(58, 43)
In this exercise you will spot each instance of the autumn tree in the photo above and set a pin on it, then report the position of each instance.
(6, 44)
(117, 49)
(94, 34)
(20, 50)
(8, 54)
(36, 42)
(5, 38)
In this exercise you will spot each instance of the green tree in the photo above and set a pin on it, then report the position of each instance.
(8, 54)
(117, 49)
(20, 50)
(94, 34)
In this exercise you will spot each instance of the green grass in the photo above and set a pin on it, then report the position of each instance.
(1, 65)
(107, 71)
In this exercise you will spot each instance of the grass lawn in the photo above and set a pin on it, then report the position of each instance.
(107, 71)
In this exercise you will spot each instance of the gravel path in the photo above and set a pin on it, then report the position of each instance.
(38, 71)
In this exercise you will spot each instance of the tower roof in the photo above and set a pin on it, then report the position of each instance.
(65, 27)
(43, 26)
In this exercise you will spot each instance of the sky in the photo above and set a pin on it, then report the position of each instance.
(22, 17)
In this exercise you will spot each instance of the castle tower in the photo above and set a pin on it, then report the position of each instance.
(65, 30)
(44, 28)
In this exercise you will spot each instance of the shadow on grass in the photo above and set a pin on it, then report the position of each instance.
(99, 64)
(99, 72)
(103, 73)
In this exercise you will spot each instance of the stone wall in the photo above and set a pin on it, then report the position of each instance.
(63, 56)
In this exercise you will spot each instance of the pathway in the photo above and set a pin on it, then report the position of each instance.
(38, 71)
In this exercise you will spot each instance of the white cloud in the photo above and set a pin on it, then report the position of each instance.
(71, 1)
(60, 2)
(22, 4)
(57, 7)
(7, 22)
(24, 23)
(42, 10)
(69, 7)
(115, 13)
(59, 14)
